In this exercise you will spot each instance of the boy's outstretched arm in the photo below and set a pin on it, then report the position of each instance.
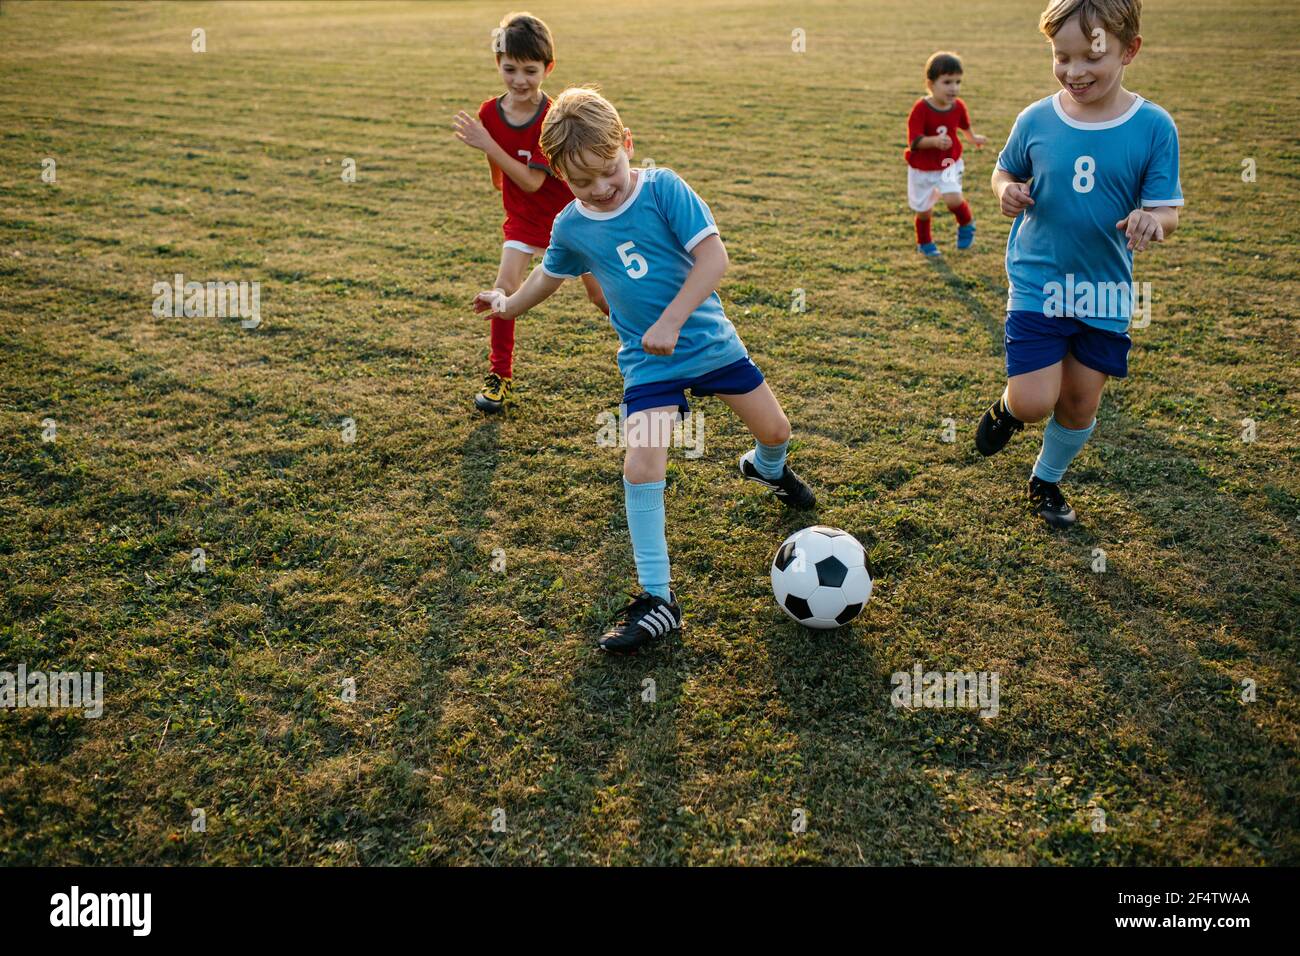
(538, 287)
(473, 133)
(711, 263)
(973, 137)
(1012, 193)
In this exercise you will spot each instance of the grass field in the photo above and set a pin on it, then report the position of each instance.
(372, 560)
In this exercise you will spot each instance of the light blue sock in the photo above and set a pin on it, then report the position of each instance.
(645, 522)
(1060, 445)
(769, 460)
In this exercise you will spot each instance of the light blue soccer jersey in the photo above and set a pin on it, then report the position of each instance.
(1064, 254)
(640, 255)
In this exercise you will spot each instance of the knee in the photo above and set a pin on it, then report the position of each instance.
(1029, 408)
(638, 473)
(777, 433)
(923, 215)
(642, 469)
(1075, 411)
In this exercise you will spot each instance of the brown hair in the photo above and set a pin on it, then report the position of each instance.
(941, 64)
(580, 120)
(1120, 18)
(522, 36)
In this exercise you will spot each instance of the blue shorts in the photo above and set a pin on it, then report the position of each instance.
(739, 377)
(1035, 341)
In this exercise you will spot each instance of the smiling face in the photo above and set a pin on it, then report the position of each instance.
(523, 78)
(944, 90)
(599, 183)
(1090, 68)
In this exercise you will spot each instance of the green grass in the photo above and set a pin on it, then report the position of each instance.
(372, 560)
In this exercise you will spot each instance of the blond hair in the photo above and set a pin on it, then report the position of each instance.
(1120, 18)
(580, 120)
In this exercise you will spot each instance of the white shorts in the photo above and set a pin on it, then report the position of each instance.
(522, 247)
(924, 186)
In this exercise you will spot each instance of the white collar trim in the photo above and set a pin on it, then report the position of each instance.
(596, 214)
(1108, 124)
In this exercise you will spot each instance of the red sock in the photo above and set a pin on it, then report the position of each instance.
(963, 213)
(502, 351)
(923, 230)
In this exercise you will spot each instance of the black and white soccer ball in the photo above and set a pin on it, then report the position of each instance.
(820, 577)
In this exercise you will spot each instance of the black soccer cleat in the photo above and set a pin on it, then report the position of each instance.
(1049, 504)
(996, 428)
(645, 621)
(790, 489)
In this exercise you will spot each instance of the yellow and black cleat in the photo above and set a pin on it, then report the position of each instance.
(496, 392)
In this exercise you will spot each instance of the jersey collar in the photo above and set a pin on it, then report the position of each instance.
(1108, 124)
(596, 214)
(501, 112)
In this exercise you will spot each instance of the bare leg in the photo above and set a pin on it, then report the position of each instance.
(1081, 388)
(510, 274)
(762, 414)
(501, 334)
(1031, 396)
(647, 435)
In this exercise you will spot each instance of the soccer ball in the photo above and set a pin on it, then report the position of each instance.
(820, 577)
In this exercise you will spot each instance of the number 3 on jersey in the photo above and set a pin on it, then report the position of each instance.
(633, 261)
(1085, 174)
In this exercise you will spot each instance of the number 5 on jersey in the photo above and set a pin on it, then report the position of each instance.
(633, 261)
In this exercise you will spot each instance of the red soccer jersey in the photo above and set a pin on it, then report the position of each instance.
(528, 215)
(925, 120)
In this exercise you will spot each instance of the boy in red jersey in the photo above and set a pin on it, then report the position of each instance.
(934, 163)
(507, 131)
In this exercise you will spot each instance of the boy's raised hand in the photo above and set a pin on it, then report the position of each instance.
(470, 131)
(1141, 227)
(1015, 199)
(493, 302)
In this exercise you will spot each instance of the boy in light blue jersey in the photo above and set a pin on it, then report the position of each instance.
(653, 246)
(1090, 175)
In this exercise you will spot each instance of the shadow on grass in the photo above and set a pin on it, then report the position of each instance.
(1200, 730)
(1170, 690)
(957, 285)
(863, 786)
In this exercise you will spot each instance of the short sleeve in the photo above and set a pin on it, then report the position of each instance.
(963, 121)
(1014, 157)
(687, 214)
(559, 261)
(915, 124)
(1161, 185)
(537, 159)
